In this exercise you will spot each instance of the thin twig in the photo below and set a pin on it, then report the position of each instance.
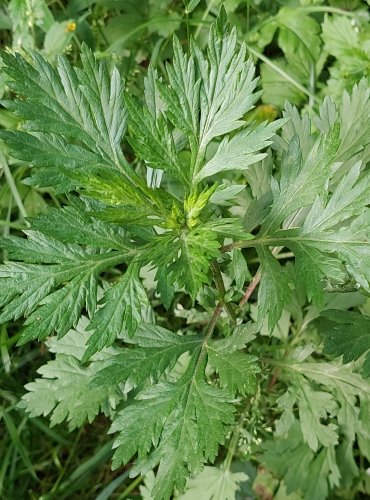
(252, 285)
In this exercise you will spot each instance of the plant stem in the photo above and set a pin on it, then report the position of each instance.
(283, 73)
(213, 321)
(12, 186)
(252, 285)
(219, 282)
(12, 225)
(238, 244)
(204, 17)
(236, 434)
(312, 84)
(328, 10)
(281, 256)
(68, 461)
(130, 488)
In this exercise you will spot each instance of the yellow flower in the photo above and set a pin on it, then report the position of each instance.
(71, 27)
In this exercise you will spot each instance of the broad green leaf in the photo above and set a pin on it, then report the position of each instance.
(274, 291)
(214, 483)
(223, 106)
(298, 36)
(72, 225)
(64, 390)
(65, 103)
(315, 406)
(344, 41)
(186, 257)
(31, 289)
(301, 179)
(153, 141)
(241, 151)
(57, 38)
(186, 420)
(347, 334)
(277, 89)
(236, 370)
(155, 350)
(300, 465)
(124, 306)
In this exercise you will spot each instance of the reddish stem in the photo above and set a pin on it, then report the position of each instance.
(252, 285)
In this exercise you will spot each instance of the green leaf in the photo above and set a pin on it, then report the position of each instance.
(353, 115)
(298, 35)
(153, 141)
(155, 350)
(214, 483)
(229, 228)
(57, 39)
(344, 41)
(313, 407)
(186, 421)
(277, 89)
(238, 269)
(312, 268)
(339, 228)
(325, 469)
(64, 390)
(300, 465)
(274, 291)
(349, 388)
(347, 334)
(124, 306)
(182, 96)
(224, 195)
(24, 20)
(236, 370)
(239, 152)
(114, 198)
(191, 6)
(223, 106)
(186, 258)
(29, 286)
(62, 105)
(73, 225)
(197, 249)
(65, 103)
(302, 179)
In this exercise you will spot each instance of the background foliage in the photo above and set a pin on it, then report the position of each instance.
(309, 409)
